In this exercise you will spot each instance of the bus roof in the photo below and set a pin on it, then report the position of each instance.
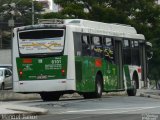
(102, 26)
(91, 24)
(111, 29)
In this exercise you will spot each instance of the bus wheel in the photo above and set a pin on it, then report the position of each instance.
(2, 86)
(98, 89)
(50, 96)
(133, 91)
(88, 95)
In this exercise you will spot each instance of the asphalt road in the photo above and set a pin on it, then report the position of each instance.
(106, 108)
(91, 117)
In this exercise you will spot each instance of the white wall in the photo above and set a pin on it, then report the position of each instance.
(5, 56)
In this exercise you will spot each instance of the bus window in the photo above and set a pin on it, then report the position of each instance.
(126, 52)
(85, 45)
(132, 44)
(136, 43)
(77, 43)
(135, 53)
(126, 43)
(108, 49)
(96, 46)
(39, 41)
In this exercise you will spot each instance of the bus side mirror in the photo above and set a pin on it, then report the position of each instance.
(6, 75)
(149, 55)
(149, 51)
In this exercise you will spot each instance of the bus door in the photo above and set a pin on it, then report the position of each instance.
(110, 68)
(119, 62)
(143, 63)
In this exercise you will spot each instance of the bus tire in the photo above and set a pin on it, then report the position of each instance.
(50, 96)
(133, 91)
(158, 85)
(88, 95)
(98, 89)
(2, 86)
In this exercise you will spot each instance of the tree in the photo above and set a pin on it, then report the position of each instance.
(24, 7)
(141, 14)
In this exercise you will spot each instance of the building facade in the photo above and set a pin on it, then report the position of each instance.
(158, 1)
(49, 5)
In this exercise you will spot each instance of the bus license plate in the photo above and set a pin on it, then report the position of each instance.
(40, 77)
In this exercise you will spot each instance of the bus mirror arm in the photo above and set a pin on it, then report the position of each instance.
(150, 56)
(149, 50)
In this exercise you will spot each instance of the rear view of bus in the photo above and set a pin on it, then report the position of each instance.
(39, 63)
(74, 55)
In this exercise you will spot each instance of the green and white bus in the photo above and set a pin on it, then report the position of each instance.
(56, 57)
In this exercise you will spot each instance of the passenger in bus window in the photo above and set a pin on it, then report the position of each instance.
(96, 47)
(108, 50)
(85, 46)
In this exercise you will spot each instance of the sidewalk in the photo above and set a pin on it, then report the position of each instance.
(150, 93)
(9, 95)
(13, 110)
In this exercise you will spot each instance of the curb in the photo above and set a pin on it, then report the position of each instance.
(149, 96)
(8, 95)
(22, 110)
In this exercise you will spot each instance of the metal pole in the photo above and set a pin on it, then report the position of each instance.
(1, 38)
(12, 27)
(32, 12)
(1, 32)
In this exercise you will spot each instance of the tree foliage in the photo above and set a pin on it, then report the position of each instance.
(144, 15)
(24, 7)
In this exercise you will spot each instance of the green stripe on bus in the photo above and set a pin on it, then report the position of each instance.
(50, 68)
(86, 71)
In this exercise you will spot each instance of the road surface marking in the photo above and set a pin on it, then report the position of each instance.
(120, 110)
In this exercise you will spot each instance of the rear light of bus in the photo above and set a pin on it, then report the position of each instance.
(98, 63)
(63, 72)
(27, 61)
(20, 73)
(139, 70)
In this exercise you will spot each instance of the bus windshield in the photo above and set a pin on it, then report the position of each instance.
(41, 41)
